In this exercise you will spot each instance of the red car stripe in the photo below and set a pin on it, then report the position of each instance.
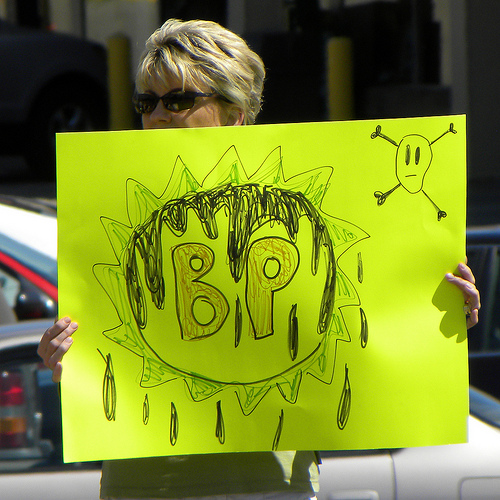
(36, 279)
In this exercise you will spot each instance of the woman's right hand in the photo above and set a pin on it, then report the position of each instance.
(55, 343)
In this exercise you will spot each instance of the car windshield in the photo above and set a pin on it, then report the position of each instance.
(484, 407)
(42, 264)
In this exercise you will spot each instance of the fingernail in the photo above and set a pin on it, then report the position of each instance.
(74, 325)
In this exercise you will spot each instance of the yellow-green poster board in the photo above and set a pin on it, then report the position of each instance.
(259, 288)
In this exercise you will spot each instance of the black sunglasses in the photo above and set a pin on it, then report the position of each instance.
(175, 101)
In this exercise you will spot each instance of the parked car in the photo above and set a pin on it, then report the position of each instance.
(28, 259)
(469, 471)
(483, 250)
(30, 425)
(30, 420)
(50, 83)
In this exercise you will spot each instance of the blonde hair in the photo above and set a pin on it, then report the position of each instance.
(204, 54)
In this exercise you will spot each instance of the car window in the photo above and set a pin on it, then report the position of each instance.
(484, 260)
(485, 407)
(494, 319)
(26, 299)
(40, 263)
(28, 280)
(10, 287)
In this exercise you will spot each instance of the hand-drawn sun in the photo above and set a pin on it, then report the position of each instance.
(232, 282)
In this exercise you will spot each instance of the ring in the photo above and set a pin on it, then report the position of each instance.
(467, 310)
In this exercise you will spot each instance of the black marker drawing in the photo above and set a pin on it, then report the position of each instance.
(108, 388)
(364, 328)
(174, 424)
(277, 436)
(360, 268)
(413, 159)
(238, 315)
(145, 410)
(293, 332)
(220, 431)
(344, 408)
(244, 266)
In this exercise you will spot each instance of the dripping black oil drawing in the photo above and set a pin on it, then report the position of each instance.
(245, 266)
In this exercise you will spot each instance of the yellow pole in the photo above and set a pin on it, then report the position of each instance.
(339, 77)
(120, 89)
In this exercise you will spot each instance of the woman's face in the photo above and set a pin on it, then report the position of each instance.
(206, 112)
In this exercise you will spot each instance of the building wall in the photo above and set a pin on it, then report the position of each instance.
(469, 65)
(483, 70)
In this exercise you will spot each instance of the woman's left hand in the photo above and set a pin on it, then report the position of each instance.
(467, 284)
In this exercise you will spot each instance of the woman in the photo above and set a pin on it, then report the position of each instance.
(198, 74)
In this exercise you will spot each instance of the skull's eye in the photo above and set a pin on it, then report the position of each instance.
(408, 154)
(417, 155)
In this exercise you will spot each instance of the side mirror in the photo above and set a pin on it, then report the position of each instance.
(32, 303)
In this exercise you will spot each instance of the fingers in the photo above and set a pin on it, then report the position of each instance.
(469, 290)
(471, 293)
(466, 272)
(57, 373)
(466, 283)
(54, 344)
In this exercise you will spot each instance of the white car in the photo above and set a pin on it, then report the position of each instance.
(30, 424)
(469, 471)
(28, 259)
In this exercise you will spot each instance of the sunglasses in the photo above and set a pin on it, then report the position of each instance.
(175, 101)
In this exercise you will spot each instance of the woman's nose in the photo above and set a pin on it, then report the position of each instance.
(161, 114)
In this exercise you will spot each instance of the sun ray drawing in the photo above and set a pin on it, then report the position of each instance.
(231, 282)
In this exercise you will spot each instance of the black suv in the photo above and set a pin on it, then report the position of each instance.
(49, 83)
(483, 251)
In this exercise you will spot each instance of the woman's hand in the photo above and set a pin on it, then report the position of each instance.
(55, 343)
(466, 283)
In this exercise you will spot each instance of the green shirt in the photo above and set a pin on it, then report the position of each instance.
(211, 474)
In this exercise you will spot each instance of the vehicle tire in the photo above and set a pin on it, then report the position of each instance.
(61, 108)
